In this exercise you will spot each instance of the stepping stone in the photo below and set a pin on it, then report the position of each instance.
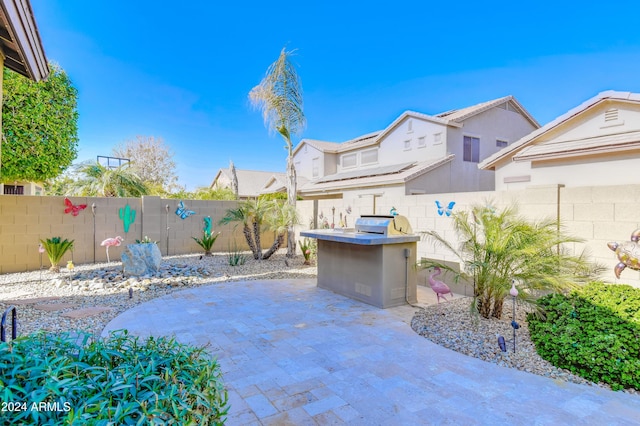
(55, 306)
(30, 301)
(87, 312)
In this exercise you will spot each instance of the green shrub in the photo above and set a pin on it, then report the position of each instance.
(236, 257)
(118, 380)
(207, 241)
(56, 247)
(146, 240)
(593, 332)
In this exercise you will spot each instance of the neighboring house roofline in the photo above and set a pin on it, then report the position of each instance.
(490, 162)
(21, 43)
(404, 175)
(458, 115)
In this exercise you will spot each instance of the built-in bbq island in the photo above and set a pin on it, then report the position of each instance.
(373, 262)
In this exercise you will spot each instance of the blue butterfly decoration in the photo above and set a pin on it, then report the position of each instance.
(445, 210)
(182, 211)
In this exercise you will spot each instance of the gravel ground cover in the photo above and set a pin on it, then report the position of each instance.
(453, 326)
(91, 295)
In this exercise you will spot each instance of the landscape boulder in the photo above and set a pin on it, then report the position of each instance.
(141, 259)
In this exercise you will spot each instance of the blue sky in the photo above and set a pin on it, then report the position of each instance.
(182, 71)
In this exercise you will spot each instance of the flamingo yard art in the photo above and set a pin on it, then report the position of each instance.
(111, 242)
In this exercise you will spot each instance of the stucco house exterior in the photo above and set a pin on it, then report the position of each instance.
(597, 143)
(21, 51)
(416, 154)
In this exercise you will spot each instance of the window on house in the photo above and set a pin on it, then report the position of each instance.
(349, 160)
(422, 141)
(409, 126)
(13, 189)
(471, 149)
(315, 167)
(407, 145)
(369, 156)
(501, 143)
(305, 149)
(437, 138)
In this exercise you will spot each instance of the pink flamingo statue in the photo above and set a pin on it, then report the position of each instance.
(110, 242)
(438, 286)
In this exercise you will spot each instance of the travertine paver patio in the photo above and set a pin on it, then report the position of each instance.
(295, 354)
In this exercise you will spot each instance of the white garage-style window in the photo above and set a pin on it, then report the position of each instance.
(349, 160)
(369, 156)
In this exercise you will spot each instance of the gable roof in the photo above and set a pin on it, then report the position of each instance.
(250, 182)
(512, 150)
(20, 40)
(452, 118)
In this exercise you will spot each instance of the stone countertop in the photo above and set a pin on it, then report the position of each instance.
(350, 237)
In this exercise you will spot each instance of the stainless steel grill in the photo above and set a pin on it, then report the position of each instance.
(383, 225)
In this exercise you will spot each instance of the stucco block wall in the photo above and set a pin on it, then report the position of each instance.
(24, 220)
(598, 215)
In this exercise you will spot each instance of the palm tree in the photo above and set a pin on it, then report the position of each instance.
(280, 216)
(242, 214)
(96, 180)
(500, 246)
(279, 97)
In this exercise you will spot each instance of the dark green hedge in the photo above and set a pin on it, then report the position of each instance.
(593, 332)
(70, 379)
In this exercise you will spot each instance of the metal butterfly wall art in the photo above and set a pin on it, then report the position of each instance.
(445, 210)
(74, 209)
(182, 211)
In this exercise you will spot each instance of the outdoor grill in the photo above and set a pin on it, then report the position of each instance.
(383, 225)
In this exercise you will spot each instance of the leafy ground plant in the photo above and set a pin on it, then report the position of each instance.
(207, 241)
(236, 258)
(118, 380)
(593, 332)
(56, 248)
(146, 240)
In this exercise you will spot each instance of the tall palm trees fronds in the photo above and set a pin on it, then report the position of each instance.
(97, 180)
(497, 247)
(279, 97)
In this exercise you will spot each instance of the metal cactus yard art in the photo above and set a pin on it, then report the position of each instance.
(628, 253)
(127, 216)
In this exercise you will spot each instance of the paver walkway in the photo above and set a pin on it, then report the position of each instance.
(295, 354)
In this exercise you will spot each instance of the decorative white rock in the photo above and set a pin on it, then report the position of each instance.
(141, 259)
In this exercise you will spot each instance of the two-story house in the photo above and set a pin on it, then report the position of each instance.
(596, 143)
(416, 154)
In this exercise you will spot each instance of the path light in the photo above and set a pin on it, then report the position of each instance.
(502, 344)
(40, 250)
(514, 293)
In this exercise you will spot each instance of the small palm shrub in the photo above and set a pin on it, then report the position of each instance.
(593, 332)
(56, 248)
(498, 246)
(207, 241)
(118, 380)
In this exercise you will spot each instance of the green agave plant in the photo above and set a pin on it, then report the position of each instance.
(207, 241)
(56, 247)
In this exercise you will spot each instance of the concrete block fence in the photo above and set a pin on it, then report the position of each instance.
(24, 220)
(596, 214)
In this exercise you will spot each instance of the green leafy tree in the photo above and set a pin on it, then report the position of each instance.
(497, 247)
(96, 180)
(152, 160)
(279, 97)
(39, 123)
